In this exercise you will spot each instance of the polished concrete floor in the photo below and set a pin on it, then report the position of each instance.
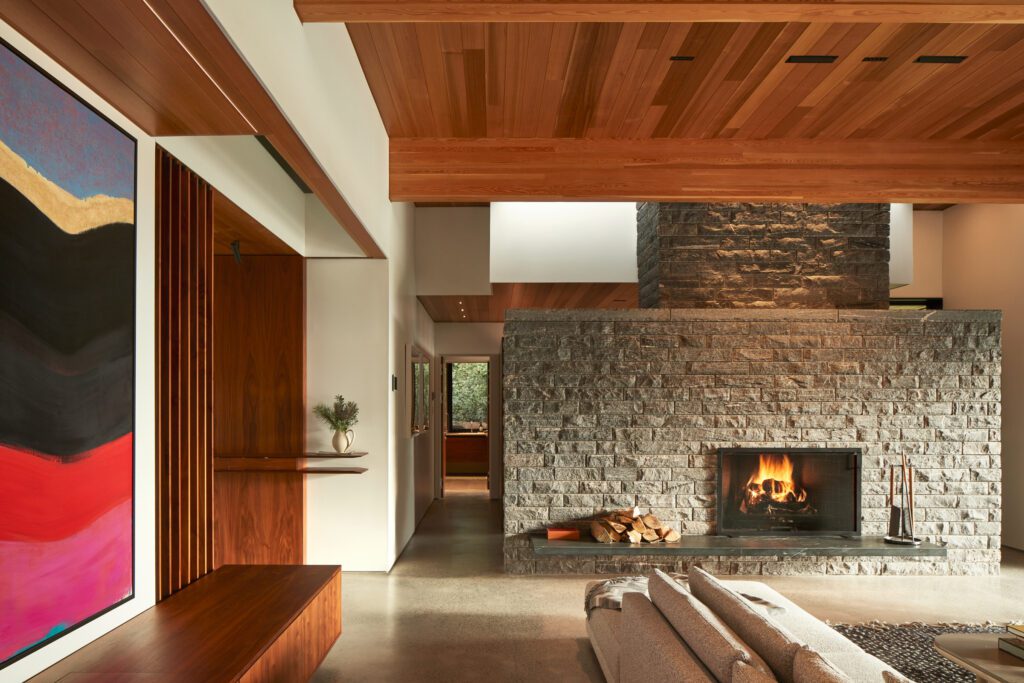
(447, 612)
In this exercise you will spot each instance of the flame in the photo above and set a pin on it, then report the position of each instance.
(773, 482)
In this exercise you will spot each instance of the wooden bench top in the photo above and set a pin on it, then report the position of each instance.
(213, 630)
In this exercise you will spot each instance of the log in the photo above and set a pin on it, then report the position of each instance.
(651, 536)
(651, 521)
(638, 525)
(600, 533)
(672, 536)
(634, 536)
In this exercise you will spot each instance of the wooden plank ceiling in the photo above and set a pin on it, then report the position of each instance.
(504, 296)
(500, 85)
(613, 80)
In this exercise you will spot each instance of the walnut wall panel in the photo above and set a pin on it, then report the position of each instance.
(259, 405)
(184, 381)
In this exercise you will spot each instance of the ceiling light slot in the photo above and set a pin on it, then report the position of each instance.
(940, 59)
(681, 58)
(875, 59)
(811, 59)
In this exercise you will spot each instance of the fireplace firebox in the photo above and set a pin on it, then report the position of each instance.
(785, 491)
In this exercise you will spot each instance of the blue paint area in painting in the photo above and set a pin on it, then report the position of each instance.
(59, 136)
(50, 634)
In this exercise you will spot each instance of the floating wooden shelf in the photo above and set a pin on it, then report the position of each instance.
(276, 463)
(293, 456)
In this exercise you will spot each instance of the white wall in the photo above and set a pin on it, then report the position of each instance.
(468, 339)
(453, 250)
(313, 74)
(927, 279)
(239, 167)
(563, 242)
(145, 409)
(901, 244)
(409, 325)
(982, 248)
(347, 337)
(324, 237)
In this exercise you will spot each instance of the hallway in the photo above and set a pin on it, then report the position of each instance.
(447, 612)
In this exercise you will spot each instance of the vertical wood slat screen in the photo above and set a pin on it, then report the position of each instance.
(184, 229)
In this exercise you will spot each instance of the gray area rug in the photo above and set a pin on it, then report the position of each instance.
(908, 648)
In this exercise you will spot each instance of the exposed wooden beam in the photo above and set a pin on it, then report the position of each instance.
(631, 11)
(925, 171)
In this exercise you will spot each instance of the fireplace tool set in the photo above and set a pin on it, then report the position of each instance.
(901, 512)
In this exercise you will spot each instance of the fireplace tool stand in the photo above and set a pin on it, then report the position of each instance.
(901, 516)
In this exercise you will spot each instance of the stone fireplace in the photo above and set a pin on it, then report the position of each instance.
(613, 409)
(757, 332)
(789, 491)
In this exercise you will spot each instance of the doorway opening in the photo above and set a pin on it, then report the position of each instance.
(466, 433)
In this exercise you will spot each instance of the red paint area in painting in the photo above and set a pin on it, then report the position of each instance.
(44, 499)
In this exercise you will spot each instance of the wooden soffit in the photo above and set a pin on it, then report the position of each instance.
(865, 11)
(504, 296)
(233, 224)
(169, 68)
(929, 171)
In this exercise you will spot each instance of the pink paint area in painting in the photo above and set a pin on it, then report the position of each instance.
(49, 587)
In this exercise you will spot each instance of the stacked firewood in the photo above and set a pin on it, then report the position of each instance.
(630, 526)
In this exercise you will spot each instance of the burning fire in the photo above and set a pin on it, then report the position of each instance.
(772, 483)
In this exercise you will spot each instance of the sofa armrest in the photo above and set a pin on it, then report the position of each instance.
(652, 651)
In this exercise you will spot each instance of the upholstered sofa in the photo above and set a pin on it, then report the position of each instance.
(703, 630)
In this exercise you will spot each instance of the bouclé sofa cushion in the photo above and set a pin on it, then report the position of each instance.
(744, 673)
(776, 645)
(652, 652)
(811, 667)
(714, 643)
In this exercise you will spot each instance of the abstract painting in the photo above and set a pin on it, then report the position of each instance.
(67, 360)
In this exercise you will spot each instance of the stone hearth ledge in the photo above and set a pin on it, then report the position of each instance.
(747, 546)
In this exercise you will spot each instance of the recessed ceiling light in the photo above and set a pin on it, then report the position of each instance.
(940, 59)
(811, 59)
(681, 58)
(875, 59)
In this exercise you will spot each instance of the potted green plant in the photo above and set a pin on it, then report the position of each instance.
(341, 417)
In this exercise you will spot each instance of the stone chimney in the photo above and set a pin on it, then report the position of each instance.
(695, 255)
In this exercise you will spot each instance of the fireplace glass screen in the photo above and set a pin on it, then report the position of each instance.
(789, 491)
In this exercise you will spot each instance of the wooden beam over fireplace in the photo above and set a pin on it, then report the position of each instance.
(495, 169)
(848, 11)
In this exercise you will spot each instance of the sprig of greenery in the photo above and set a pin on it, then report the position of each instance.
(341, 416)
